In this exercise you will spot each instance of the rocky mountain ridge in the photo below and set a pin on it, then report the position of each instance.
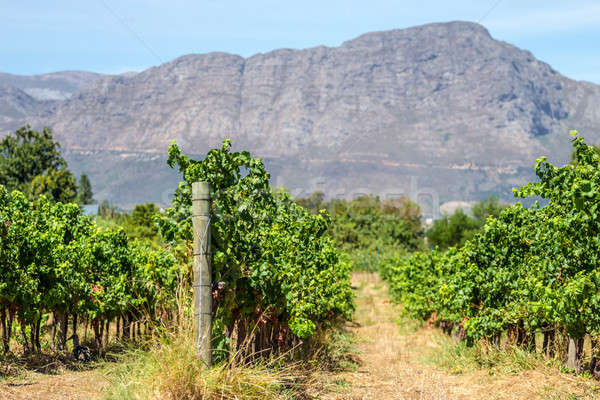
(438, 112)
(54, 86)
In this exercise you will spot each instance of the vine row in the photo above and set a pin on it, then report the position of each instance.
(530, 272)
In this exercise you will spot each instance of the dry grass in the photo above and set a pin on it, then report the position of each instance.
(458, 358)
(397, 359)
(165, 367)
(170, 369)
(411, 361)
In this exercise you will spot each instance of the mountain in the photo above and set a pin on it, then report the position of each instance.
(15, 105)
(439, 112)
(53, 86)
(24, 97)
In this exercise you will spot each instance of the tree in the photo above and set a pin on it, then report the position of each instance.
(490, 207)
(140, 223)
(31, 162)
(107, 210)
(58, 185)
(27, 154)
(143, 214)
(456, 229)
(453, 230)
(367, 223)
(313, 203)
(85, 194)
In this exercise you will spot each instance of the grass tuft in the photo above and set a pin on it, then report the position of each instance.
(457, 357)
(169, 369)
(333, 350)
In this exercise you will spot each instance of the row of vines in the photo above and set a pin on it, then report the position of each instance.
(278, 277)
(530, 273)
(55, 262)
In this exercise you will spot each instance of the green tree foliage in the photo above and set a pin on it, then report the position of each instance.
(365, 227)
(366, 223)
(58, 185)
(107, 210)
(574, 160)
(313, 203)
(281, 273)
(452, 230)
(139, 224)
(26, 154)
(492, 207)
(529, 270)
(458, 228)
(143, 214)
(85, 194)
(31, 162)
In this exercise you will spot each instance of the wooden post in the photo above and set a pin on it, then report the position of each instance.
(202, 271)
(574, 353)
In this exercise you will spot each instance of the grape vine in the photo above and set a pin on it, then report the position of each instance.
(55, 260)
(531, 270)
(282, 278)
(277, 273)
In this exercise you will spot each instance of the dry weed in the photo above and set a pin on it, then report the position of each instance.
(413, 361)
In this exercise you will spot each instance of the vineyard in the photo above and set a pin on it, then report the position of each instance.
(528, 277)
(277, 274)
(55, 260)
(530, 274)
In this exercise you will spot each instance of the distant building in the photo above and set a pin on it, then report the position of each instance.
(428, 222)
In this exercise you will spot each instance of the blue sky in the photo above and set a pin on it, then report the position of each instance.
(114, 36)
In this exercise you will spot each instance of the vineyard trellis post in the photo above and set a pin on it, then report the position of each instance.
(202, 271)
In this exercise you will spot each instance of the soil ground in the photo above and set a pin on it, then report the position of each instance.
(75, 385)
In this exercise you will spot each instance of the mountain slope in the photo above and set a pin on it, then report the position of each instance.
(53, 86)
(15, 104)
(438, 112)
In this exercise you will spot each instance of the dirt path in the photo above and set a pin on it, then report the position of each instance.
(396, 363)
(78, 385)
